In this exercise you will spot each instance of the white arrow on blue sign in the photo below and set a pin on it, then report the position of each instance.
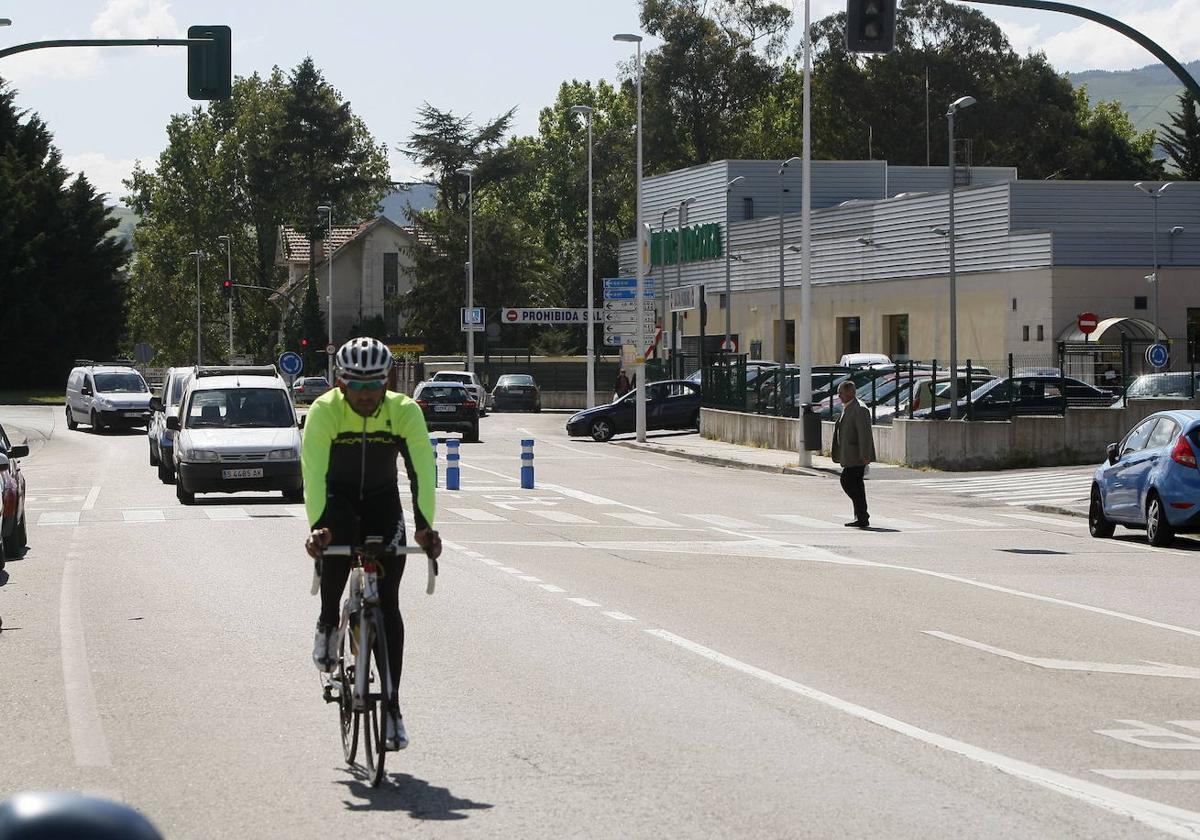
(628, 283)
(615, 340)
(626, 294)
(291, 363)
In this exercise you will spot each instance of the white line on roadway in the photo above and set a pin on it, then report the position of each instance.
(583, 602)
(1175, 821)
(90, 501)
(83, 716)
(1151, 669)
(1046, 520)
(1153, 775)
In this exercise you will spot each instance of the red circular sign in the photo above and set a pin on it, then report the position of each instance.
(511, 315)
(1087, 323)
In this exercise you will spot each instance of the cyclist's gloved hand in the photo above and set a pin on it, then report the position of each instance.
(317, 542)
(429, 540)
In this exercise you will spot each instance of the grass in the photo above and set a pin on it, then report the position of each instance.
(32, 397)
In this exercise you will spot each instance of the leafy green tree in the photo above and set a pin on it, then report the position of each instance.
(60, 275)
(1181, 139)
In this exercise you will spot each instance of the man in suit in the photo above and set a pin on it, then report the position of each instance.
(853, 448)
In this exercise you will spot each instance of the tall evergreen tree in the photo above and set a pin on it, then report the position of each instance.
(1181, 139)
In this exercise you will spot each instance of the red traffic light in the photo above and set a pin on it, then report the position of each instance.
(304, 342)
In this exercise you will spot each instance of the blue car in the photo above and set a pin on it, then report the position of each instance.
(1150, 480)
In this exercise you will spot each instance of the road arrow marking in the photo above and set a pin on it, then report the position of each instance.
(1151, 669)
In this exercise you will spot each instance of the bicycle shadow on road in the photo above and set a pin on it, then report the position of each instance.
(418, 797)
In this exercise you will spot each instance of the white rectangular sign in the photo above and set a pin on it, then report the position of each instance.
(628, 305)
(547, 315)
(683, 298)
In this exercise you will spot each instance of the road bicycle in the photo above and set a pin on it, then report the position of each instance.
(360, 682)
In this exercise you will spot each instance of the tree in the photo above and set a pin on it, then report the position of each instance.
(60, 274)
(1181, 139)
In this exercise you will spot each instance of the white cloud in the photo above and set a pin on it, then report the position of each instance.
(1091, 46)
(118, 19)
(1024, 39)
(104, 173)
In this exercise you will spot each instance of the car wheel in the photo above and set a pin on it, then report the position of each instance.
(71, 424)
(15, 544)
(3, 556)
(184, 496)
(95, 422)
(166, 473)
(473, 435)
(153, 456)
(294, 496)
(1099, 525)
(1158, 529)
(602, 430)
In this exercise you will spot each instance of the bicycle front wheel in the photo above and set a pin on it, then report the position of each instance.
(372, 657)
(346, 713)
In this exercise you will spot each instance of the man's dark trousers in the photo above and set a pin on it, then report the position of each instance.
(852, 484)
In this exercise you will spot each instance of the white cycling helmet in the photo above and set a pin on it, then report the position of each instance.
(364, 358)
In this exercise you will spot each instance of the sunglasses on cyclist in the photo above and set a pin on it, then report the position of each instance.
(365, 384)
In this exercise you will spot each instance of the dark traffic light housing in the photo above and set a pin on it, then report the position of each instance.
(210, 65)
(227, 288)
(870, 25)
(304, 344)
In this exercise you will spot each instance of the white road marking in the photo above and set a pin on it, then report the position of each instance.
(963, 520)
(583, 602)
(225, 514)
(510, 570)
(59, 517)
(642, 519)
(803, 521)
(562, 517)
(1152, 775)
(88, 741)
(590, 498)
(90, 501)
(1167, 818)
(550, 587)
(489, 561)
(1153, 669)
(475, 515)
(1046, 520)
(531, 578)
(899, 524)
(725, 521)
(152, 515)
(619, 616)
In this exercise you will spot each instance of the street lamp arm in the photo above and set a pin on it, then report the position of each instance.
(104, 42)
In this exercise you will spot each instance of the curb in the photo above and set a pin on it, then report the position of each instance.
(716, 461)
(1063, 511)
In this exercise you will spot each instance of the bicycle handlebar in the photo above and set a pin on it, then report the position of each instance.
(350, 551)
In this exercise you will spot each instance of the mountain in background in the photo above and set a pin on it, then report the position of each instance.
(1148, 94)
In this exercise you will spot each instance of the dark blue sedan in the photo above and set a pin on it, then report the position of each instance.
(1150, 479)
(672, 404)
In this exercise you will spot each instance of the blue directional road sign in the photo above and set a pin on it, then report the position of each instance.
(1157, 355)
(291, 363)
(627, 294)
(627, 282)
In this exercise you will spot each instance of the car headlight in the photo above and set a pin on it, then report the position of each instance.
(102, 403)
(283, 455)
(198, 455)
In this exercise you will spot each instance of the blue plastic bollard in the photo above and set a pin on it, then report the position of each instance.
(527, 464)
(434, 442)
(452, 463)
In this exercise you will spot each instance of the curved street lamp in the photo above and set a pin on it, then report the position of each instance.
(328, 210)
(961, 102)
(586, 111)
(781, 348)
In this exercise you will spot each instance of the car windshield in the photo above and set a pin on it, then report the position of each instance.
(453, 377)
(1160, 385)
(120, 383)
(239, 408)
(515, 379)
(983, 389)
(443, 393)
(175, 389)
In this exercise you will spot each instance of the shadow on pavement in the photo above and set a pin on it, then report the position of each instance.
(418, 797)
(1181, 543)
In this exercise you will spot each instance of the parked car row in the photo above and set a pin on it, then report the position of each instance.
(13, 534)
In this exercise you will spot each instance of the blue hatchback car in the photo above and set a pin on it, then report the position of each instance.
(1150, 479)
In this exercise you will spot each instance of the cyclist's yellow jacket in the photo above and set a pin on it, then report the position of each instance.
(349, 458)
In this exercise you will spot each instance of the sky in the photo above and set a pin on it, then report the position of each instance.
(109, 107)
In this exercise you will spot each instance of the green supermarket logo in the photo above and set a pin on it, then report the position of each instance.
(699, 243)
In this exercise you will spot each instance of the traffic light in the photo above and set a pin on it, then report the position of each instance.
(227, 288)
(870, 25)
(304, 344)
(210, 65)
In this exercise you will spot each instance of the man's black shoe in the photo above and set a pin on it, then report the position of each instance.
(859, 523)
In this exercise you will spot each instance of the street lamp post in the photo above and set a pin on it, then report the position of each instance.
(586, 110)
(961, 102)
(781, 347)
(681, 220)
(199, 255)
(1154, 194)
(640, 372)
(728, 290)
(229, 275)
(328, 210)
(469, 171)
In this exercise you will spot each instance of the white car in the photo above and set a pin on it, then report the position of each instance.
(466, 378)
(236, 432)
(163, 405)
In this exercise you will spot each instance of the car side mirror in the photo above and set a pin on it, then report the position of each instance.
(85, 391)
(4, 463)
(173, 424)
(21, 451)
(1113, 455)
(156, 404)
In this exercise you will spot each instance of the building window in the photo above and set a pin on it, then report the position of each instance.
(1041, 333)
(1014, 304)
(747, 208)
(721, 301)
(1025, 333)
(391, 274)
(1139, 302)
(896, 329)
(849, 335)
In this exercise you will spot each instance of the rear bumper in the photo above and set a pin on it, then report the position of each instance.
(451, 425)
(209, 478)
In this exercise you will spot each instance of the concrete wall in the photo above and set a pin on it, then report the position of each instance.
(1079, 437)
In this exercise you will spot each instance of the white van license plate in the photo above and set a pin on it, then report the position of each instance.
(133, 414)
(255, 472)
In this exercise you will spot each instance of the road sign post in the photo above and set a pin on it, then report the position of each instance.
(1087, 323)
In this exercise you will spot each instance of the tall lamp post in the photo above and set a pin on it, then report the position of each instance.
(1154, 193)
(640, 373)
(199, 255)
(229, 276)
(728, 345)
(469, 171)
(327, 209)
(961, 102)
(681, 219)
(586, 110)
(781, 347)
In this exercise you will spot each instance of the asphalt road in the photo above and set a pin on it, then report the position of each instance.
(639, 647)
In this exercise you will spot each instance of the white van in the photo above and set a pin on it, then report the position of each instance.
(861, 360)
(165, 404)
(106, 396)
(234, 432)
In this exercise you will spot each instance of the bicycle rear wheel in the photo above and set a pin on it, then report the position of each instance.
(372, 655)
(348, 718)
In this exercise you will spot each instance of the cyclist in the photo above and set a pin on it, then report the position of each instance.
(353, 436)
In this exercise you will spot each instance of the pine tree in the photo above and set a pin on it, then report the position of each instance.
(1181, 139)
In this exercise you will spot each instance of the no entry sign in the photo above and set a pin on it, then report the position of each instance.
(1087, 323)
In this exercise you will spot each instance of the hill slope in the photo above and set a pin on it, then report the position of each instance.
(1148, 94)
